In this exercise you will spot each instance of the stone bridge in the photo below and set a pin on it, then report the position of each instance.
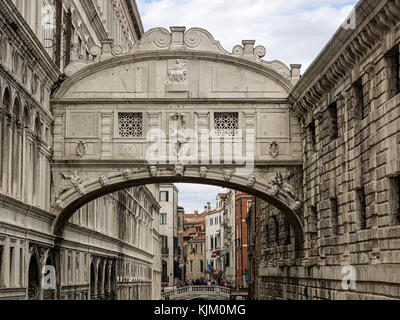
(198, 293)
(177, 108)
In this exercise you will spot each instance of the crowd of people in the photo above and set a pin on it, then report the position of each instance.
(202, 282)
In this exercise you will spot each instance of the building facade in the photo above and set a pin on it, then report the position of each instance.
(215, 235)
(349, 103)
(229, 245)
(169, 231)
(182, 253)
(243, 203)
(195, 245)
(111, 247)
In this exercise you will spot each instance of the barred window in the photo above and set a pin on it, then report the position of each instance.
(226, 124)
(130, 125)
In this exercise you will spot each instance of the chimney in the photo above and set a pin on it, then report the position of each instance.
(196, 212)
(209, 206)
(206, 209)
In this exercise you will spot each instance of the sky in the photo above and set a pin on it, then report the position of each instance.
(293, 31)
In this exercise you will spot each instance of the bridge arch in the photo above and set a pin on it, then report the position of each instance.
(83, 193)
(188, 77)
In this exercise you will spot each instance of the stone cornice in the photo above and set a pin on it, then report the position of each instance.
(95, 20)
(175, 101)
(135, 22)
(344, 51)
(28, 38)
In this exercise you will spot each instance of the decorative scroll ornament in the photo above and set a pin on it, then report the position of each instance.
(153, 171)
(104, 181)
(179, 169)
(128, 175)
(274, 149)
(227, 175)
(251, 182)
(203, 172)
(193, 38)
(81, 149)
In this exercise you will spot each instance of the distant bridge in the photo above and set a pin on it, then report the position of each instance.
(198, 293)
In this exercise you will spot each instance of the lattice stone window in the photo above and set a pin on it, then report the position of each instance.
(226, 124)
(130, 125)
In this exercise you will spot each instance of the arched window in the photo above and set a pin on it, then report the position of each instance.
(33, 279)
(7, 99)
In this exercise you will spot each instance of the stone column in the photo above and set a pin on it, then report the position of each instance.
(10, 154)
(28, 166)
(103, 278)
(96, 277)
(6, 264)
(5, 155)
(18, 162)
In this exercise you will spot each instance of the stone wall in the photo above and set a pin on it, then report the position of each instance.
(349, 101)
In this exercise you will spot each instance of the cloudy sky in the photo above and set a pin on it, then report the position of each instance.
(293, 31)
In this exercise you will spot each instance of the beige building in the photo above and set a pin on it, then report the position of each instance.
(195, 245)
(111, 246)
(168, 198)
(229, 244)
(215, 235)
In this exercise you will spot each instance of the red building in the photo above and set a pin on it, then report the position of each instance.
(243, 203)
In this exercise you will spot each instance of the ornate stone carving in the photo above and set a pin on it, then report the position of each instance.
(81, 149)
(161, 38)
(227, 175)
(130, 124)
(177, 130)
(260, 52)
(104, 181)
(193, 38)
(238, 50)
(76, 182)
(60, 205)
(153, 171)
(179, 72)
(280, 185)
(3, 48)
(128, 175)
(179, 169)
(274, 149)
(128, 150)
(226, 124)
(251, 181)
(203, 172)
